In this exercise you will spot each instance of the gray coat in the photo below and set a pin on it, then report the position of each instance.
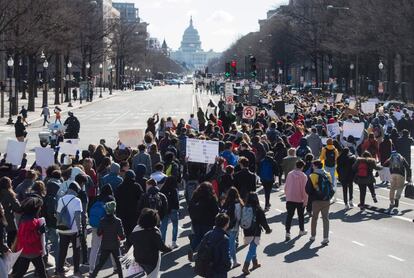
(142, 158)
(315, 143)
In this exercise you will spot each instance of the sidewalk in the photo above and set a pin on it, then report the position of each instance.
(35, 115)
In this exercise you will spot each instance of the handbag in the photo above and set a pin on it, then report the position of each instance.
(409, 191)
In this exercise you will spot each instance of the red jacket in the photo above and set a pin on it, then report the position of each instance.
(29, 237)
(294, 140)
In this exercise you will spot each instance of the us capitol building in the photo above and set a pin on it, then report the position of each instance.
(190, 53)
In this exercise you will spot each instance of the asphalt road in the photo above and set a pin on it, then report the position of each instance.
(362, 244)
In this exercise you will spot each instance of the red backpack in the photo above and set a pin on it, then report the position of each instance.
(362, 170)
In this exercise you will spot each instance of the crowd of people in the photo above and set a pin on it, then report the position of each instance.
(126, 198)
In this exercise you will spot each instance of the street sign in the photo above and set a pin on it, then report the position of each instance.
(228, 89)
(229, 100)
(249, 112)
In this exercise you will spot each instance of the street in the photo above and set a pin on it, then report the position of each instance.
(362, 244)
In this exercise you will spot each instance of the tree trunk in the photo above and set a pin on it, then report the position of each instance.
(57, 79)
(31, 82)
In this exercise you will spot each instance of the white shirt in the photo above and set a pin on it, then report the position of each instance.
(193, 122)
(73, 206)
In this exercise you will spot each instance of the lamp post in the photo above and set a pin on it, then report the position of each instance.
(88, 66)
(10, 64)
(100, 80)
(110, 79)
(280, 75)
(330, 78)
(380, 84)
(351, 69)
(124, 79)
(69, 65)
(20, 79)
(45, 66)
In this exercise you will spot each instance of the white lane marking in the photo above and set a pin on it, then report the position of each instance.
(279, 210)
(119, 117)
(396, 258)
(387, 198)
(358, 243)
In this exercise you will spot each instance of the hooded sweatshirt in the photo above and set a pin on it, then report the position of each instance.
(295, 187)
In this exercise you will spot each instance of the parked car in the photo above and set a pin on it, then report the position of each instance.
(139, 87)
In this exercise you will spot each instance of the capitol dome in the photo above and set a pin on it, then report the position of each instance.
(191, 39)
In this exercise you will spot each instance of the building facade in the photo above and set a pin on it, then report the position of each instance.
(190, 54)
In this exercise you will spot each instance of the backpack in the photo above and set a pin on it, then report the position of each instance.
(330, 158)
(205, 257)
(266, 170)
(50, 205)
(248, 218)
(326, 190)
(64, 220)
(154, 201)
(302, 152)
(395, 162)
(362, 169)
(96, 212)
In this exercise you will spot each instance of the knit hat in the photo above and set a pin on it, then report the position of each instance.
(110, 208)
(115, 168)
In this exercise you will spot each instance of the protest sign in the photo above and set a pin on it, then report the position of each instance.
(324, 140)
(45, 157)
(368, 107)
(289, 108)
(354, 129)
(338, 97)
(249, 112)
(131, 137)
(130, 268)
(352, 104)
(375, 100)
(202, 151)
(15, 151)
(333, 130)
(319, 106)
(278, 89)
(68, 148)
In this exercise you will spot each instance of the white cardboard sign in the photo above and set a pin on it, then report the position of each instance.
(354, 129)
(202, 151)
(45, 157)
(131, 137)
(15, 151)
(289, 108)
(333, 130)
(68, 148)
(368, 107)
(338, 97)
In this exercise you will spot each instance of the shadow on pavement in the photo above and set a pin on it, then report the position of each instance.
(305, 253)
(169, 260)
(184, 271)
(275, 249)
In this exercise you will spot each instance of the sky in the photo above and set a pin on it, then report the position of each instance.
(219, 22)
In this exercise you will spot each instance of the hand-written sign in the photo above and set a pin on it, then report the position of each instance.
(202, 151)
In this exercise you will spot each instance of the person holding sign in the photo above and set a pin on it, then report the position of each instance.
(329, 155)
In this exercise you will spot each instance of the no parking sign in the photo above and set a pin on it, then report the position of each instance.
(249, 112)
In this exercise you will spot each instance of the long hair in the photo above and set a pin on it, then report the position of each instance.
(3, 220)
(252, 200)
(204, 191)
(6, 185)
(233, 197)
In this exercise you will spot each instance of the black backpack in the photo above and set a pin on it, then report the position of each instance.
(49, 209)
(330, 158)
(205, 256)
(325, 189)
(230, 211)
(154, 201)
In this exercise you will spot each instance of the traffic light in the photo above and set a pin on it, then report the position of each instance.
(233, 65)
(253, 68)
(227, 72)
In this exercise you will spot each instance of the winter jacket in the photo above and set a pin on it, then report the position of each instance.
(113, 179)
(19, 129)
(142, 158)
(259, 224)
(268, 169)
(245, 182)
(230, 157)
(273, 135)
(221, 262)
(251, 157)
(344, 168)
(144, 201)
(313, 186)
(226, 182)
(403, 168)
(369, 179)
(294, 139)
(303, 149)
(10, 205)
(385, 149)
(111, 231)
(403, 147)
(323, 156)
(288, 164)
(295, 187)
(172, 198)
(29, 236)
(315, 144)
(203, 211)
(23, 188)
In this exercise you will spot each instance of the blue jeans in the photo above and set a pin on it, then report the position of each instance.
(3, 271)
(173, 216)
(251, 254)
(53, 237)
(232, 245)
(198, 233)
(331, 171)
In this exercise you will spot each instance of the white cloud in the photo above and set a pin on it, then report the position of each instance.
(220, 16)
(179, 1)
(224, 32)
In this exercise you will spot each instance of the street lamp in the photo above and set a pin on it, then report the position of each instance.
(110, 79)
(100, 79)
(69, 65)
(45, 66)
(351, 67)
(10, 64)
(331, 7)
(380, 83)
(381, 65)
(88, 66)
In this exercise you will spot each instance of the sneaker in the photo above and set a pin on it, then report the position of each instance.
(325, 241)
(235, 265)
(267, 209)
(174, 245)
(351, 204)
(303, 233)
(346, 206)
(312, 238)
(374, 198)
(190, 255)
(287, 237)
(396, 203)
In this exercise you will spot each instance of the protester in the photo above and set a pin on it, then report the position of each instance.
(244, 180)
(289, 162)
(46, 114)
(20, 129)
(142, 158)
(346, 176)
(329, 156)
(267, 171)
(296, 197)
(170, 190)
(147, 242)
(11, 206)
(254, 219)
(4, 249)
